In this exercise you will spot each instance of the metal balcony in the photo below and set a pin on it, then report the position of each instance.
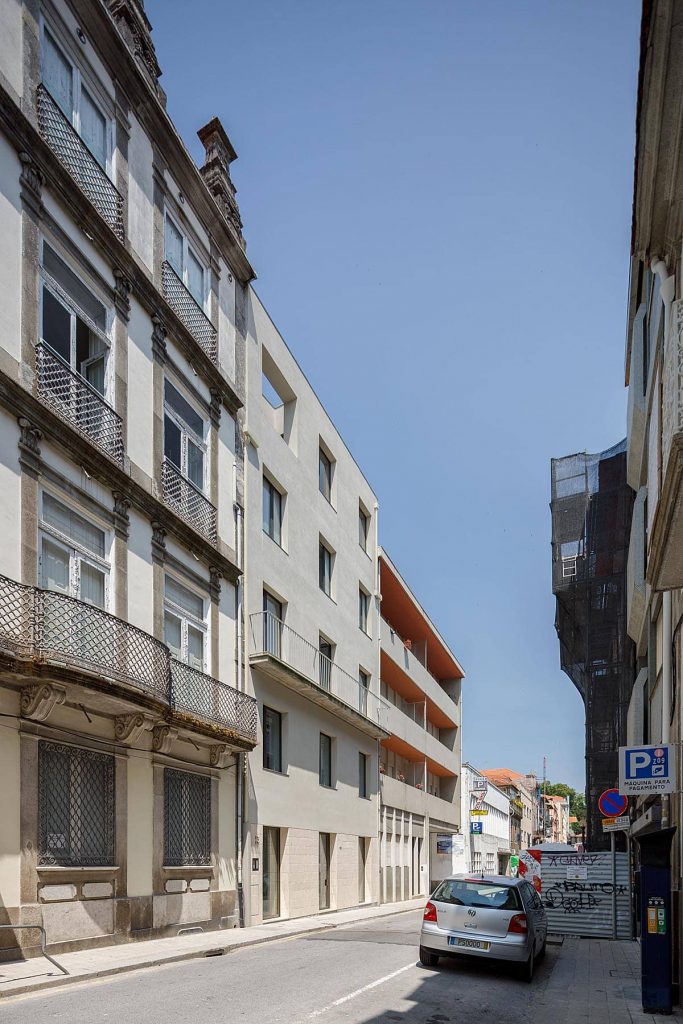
(184, 305)
(71, 151)
(46, 626)
(188, 502)
(288, 657)
(77, 402)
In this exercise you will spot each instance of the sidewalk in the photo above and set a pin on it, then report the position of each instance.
(594, 981)
(21, 976)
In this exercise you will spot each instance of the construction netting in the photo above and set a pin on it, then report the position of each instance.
(591, 520)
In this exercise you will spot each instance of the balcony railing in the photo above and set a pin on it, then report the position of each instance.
(205, 697)
(184, 305)
(71, 151)
(271, 636)
(73, 399)
(49, 626)
(188, 502)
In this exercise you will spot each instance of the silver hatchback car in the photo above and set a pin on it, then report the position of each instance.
(489, 916)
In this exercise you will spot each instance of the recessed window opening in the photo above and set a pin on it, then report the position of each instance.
(184, 623)
(185, 261)
(279, 398)
(325, 560)
(272, 510)
(74, 321)
(73, 554)
(184, 433)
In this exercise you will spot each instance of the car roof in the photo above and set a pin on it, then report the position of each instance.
(476, 876)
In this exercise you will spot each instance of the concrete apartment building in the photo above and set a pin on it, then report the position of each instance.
(556, 827)
(421, 679)
(654, 376)
(122, 355)
(311, 605)
(487, 844)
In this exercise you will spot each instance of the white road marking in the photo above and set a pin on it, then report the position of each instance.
(360, 991)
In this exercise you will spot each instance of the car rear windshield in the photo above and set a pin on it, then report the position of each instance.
(477, 894)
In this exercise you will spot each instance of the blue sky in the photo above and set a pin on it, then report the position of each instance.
(437, 197)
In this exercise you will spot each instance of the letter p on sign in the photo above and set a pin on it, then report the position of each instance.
(638, 762)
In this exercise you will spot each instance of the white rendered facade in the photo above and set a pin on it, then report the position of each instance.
(489, 851)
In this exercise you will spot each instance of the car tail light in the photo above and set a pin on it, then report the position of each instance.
(430, 913)
(518, 924)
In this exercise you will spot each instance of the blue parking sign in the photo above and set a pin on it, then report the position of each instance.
(646, 770)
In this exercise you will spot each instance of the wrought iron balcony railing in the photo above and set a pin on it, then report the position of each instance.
(184, 305)
(76, 401)
(49, 626)
(71, 151)
(188, 502)
(197, 694)
(270, 636)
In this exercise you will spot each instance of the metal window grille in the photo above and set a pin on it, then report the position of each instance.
(76, 806)
(71, 151)
(187, 818)
(188, 502)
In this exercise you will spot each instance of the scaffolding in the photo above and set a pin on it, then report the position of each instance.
(591, 520)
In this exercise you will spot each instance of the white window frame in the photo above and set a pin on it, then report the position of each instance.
(74, 310)
(186, 619)
(184, 275)
(188, 434)
(78, 80)
(77, 553)
(364, 602)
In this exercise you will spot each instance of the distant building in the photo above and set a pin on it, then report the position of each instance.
(522, 790)
(556, 829)
(487, 840)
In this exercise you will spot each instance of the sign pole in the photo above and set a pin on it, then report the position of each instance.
(613, 850)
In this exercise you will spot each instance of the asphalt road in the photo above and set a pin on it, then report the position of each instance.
(358, 974)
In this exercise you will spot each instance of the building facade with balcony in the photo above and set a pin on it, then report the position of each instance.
(420, 826)
(654, 453)
(311, 569)
(486, 824)
(522, 791)
(122, 354)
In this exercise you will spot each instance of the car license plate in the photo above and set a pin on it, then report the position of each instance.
(468, 943)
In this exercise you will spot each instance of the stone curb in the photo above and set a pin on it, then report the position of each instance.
(195, 954)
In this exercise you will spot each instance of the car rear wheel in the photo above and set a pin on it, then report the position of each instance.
(428, 959)
(527, 971)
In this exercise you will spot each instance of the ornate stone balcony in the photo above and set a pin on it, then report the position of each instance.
(189, 312)
(44, 632)
(188, 502)
(74, 400)
(71, 151)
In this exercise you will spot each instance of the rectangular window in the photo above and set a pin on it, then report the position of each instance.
(363, 687)
(184, 433)
(75, 806)
(187, 818)
(64, 82)
(325, 569)
(184, 624)
(325, 760)
(325, 475)
(363, 609)
(272, 624)
(272, 511)
(74, 321)
(72, 554)
(362, 775)
(363, 528)
(272, 740)
(185, 262)
(325, 663)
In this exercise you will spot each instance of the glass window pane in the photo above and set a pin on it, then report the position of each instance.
(325, 760)
(55, 567)
(195, 278)
(195, 648)
(173, 247)
(79, 294)
(56, 326)
(186, 599)
(272, 740)
(58, 76)
(324, 569)
(183, 409)
(92, 585)
(72, 525)
(324, 475)
(172, 442)
(173, 634)
(195, 465)
(363, 522)
(93, 128)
